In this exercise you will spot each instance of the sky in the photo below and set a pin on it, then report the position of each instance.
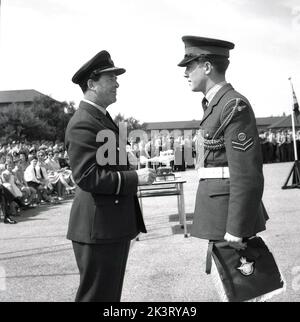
(43, 43)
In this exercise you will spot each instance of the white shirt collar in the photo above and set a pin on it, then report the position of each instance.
(100, 108)
(214, 90)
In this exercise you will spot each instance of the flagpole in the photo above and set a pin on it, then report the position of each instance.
(0, 27)
(294, 137)
(293, 127)
(295, 171)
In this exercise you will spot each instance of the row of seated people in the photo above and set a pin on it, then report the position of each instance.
(7, 200)
(37, 180)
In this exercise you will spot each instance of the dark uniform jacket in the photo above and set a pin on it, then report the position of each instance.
(231, 205)
(105, 208)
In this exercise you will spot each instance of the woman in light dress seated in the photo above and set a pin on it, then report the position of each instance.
(58, 174)
(9, 180)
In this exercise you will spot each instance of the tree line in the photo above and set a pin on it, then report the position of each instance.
(45, 119)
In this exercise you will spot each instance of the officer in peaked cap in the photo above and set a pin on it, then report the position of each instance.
(229, 196)
(99, 64)
(197, 47)
(105, 213)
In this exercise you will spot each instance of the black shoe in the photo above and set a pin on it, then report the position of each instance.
(8, 220)
(19, 202)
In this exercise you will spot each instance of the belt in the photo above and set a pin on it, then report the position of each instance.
(213, 173)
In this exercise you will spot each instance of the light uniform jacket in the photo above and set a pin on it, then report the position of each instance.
(105, 207)
(231, 205)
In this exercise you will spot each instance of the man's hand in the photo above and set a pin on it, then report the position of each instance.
(235, 242)
(146, 176)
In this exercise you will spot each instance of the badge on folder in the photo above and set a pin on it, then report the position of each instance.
(246, 274)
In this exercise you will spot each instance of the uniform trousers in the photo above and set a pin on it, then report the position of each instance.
(101, 268)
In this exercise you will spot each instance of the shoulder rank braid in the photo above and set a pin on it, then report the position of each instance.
(216, 144)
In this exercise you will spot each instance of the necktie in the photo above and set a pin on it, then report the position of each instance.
(111, 120)
(38, 172)
(41, 173)
(34, 172)
(204, 103)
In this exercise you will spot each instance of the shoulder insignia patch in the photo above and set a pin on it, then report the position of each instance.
(242, 146)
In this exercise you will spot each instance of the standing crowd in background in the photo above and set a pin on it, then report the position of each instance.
(277, 146)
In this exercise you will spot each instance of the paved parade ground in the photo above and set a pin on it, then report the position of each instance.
(37, 262)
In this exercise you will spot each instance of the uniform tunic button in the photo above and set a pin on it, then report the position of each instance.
(116, 201)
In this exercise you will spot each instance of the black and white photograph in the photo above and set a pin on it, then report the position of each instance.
(149, 153)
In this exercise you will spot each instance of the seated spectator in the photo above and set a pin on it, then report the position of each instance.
(32, 154)
(63, 161)
(29, 193)
(23, 160)
(15, 156)
(6, 199)
(9, 182)
(56, 146)
(24, 148)
(42, 175)
(55, 176)
(30, 176)
(56, 172)
(2, 163)
(8, 158)
(3, 148)
(43, 147)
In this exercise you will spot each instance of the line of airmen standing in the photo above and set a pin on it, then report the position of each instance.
(276, 146)
(279, 146)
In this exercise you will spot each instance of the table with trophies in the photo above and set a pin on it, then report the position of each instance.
(166, 184)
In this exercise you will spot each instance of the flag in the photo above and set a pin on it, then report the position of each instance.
(295, 105)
